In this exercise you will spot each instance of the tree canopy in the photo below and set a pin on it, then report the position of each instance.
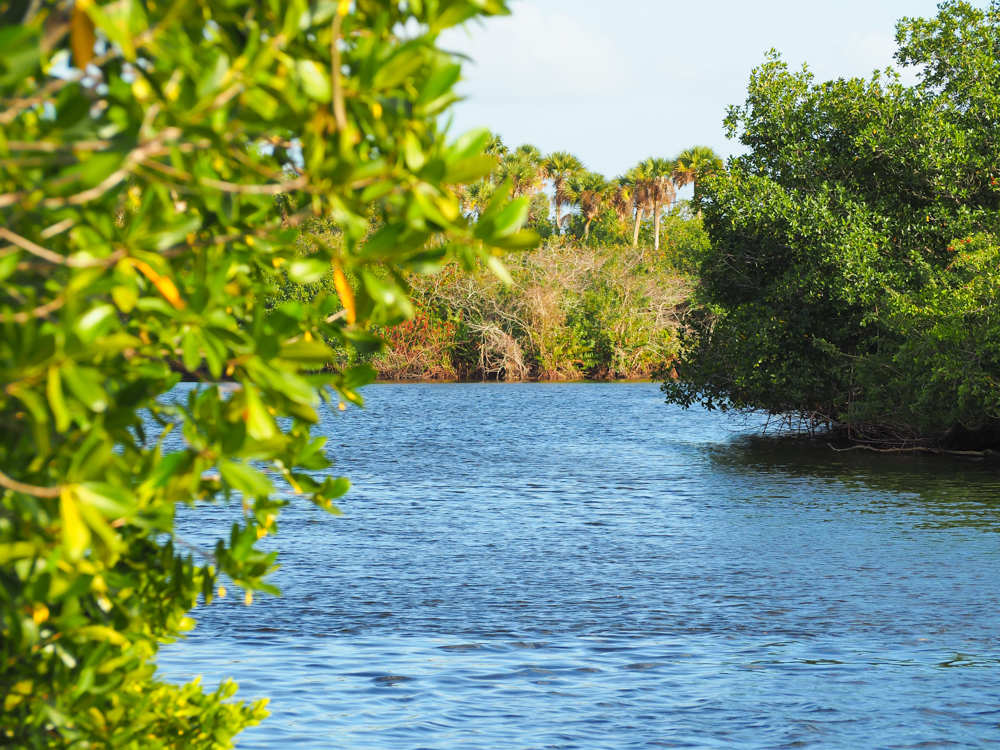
(849, 275)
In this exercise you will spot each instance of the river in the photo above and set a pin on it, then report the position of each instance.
(581, 566)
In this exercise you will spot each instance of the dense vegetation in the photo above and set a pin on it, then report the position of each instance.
(568, 312)
(601, 299)
(853, 273)
(165, 168)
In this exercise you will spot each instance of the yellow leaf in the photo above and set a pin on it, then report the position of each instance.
(164, 284)
(81, 37)
(346, 294)
(75, 534)
(39, 613)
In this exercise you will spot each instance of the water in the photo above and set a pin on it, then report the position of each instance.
(581, 566)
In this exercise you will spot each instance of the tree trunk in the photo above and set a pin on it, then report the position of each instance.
(656, 227)
(638, 224)
(558, 217)
(586, 230)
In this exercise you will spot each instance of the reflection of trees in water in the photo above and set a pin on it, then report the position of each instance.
(945, 491)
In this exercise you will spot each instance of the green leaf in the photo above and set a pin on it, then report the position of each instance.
(398, 68)
(17, 551)
(84, 383)
(245, 478)
(111, 500)
(315, 80)
(470, 169)
(56, 401)
(307, 271)
(307, 352)
(191, 352)
(260, 424)
(91, 323)
(8, 264)
(168, 468)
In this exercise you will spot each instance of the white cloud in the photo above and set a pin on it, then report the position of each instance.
(537, 56)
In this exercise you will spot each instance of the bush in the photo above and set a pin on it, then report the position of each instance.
(570, 312)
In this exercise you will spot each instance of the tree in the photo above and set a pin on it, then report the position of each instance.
(588, 192)
(656, 175)
(524, 174)
(530, 153)
(694, 163)
(850, 268)
(495, 146)
(477, 196)
(150, 209)
(560, 167)
(639, 189)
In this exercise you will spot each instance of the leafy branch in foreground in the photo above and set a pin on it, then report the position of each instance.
(163, 167)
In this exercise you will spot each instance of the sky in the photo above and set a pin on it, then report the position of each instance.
(615, 82)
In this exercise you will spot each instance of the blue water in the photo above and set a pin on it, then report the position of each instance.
(582, 566)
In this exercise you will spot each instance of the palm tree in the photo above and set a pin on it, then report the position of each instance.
(621, 197)
(657, 173)
(560, 167)
(642, 200)
(693, 163)
(477, 195)
(587, 191)
(495, 146)
(525, 176)
(529, 152)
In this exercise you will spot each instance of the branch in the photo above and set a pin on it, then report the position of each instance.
(336, 84)
(232, 187)
(53, 257)
(28, 489)
(914, 449)
(193, 548)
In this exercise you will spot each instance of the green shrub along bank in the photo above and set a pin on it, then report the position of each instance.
(568, 313)
(853, 269)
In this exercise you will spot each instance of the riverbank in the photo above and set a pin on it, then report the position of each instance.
(570, 313)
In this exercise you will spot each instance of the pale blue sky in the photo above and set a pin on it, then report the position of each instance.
(615, 82)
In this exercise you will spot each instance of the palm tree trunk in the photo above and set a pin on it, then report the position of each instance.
(656, 227)
(558, 217)
(638, 224)
(586, 230)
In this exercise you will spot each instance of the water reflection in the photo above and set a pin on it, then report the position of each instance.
(954, 491)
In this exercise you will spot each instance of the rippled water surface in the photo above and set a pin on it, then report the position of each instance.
(581, 566)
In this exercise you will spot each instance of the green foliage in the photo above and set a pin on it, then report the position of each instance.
(830, 287)
(152, 206)
(570, 312)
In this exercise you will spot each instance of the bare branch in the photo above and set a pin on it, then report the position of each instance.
(28, 489)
